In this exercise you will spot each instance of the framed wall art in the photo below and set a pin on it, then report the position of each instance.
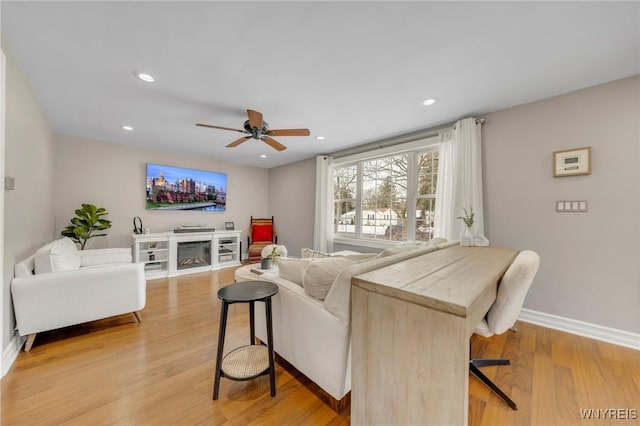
(572, 162)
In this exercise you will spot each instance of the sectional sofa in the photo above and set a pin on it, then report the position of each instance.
(311, 313)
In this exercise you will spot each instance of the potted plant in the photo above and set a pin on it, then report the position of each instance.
(88, 220)
(270, 253)
(466, 236)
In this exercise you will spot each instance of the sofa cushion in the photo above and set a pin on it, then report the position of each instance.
(400, 248)
(361, 257)
(338, 299)
(293, 269)
(320, 274)
(61, 255)
(106, 256)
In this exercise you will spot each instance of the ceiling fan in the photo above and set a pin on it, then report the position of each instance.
(256, 128)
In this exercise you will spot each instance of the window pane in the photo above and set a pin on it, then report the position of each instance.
(384, 191)
(345, 180)
(344, 217)
(427, 172)
(424, 222)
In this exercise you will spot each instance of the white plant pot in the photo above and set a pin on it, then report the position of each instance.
(466, 237)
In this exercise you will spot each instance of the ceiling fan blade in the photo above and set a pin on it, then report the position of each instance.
(220, 127)
(255, 119)
(289, 132)
(238, 141)
(273, 143)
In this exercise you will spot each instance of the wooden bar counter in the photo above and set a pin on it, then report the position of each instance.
(411, 324)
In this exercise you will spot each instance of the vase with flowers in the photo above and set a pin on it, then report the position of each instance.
(269, 255)
(466, 236)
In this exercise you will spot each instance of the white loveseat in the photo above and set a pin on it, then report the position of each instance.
(60, 286)
(314, 335)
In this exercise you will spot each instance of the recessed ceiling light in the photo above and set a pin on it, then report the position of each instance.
(144, 77)
(263, 156)
(127, 128)
(320, 138)
(429, 101)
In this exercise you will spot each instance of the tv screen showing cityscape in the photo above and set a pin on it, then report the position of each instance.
(176, 188)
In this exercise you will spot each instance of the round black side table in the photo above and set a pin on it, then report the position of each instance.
(250, 361)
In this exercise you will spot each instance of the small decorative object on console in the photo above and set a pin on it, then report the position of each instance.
(466, 236)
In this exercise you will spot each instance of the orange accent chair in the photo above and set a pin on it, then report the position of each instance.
(262, 232)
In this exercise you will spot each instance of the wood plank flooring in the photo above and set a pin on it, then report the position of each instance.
(160, 372)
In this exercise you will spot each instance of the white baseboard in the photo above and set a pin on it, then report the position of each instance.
(581, 328)
(11, 352)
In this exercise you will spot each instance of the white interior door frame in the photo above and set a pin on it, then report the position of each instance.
(2, 131)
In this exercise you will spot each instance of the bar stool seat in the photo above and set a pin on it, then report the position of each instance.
(253, 360)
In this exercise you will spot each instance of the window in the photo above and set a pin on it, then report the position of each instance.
(344, 199)
(375, 198)
(425, 201)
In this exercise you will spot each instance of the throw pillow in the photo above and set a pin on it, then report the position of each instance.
(321, 273)
(307, 252)
(61, 255)
(262, 233)
(293, 269)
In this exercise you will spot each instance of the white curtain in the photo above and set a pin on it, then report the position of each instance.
(460, 180)
(323, 226)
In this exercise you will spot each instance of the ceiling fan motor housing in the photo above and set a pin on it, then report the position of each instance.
(254, 131)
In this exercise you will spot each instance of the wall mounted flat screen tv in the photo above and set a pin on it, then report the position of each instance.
(176, 188)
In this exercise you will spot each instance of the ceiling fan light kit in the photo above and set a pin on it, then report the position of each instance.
(256, 128)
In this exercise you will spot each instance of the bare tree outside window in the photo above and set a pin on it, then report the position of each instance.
(344, 196)
(384, 198)
(426, 196)
(385, 205)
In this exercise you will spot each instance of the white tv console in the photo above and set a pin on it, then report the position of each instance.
(160, 252)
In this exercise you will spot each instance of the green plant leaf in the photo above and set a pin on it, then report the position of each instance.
(87, 220)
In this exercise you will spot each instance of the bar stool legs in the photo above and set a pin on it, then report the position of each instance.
(252, 324)
(272, 370)
(223, 328)
(221, 336)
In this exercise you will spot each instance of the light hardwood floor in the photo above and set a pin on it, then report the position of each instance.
(160, 372)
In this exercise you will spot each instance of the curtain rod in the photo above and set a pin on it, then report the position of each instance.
(396, 140)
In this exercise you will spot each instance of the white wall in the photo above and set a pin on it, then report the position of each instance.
(29, 142)
(113, 176)
(292, 203)
(590, 262)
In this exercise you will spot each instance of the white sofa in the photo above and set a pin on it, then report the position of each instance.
(60, 286)
(314, 335)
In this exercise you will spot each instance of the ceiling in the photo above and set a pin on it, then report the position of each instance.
(353, 72)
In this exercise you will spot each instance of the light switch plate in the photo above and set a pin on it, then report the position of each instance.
(578, 206)
(9, 183)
